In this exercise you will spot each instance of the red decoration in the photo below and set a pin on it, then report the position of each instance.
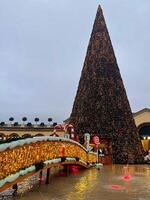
(72, 136)
(126, 176)
(116, 187)
(74, 169)
(96, 140)
(63, 151)
(77, 138)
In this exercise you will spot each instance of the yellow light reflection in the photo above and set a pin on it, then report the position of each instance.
(86, 183)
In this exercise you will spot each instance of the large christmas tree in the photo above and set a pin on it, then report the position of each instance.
(101, 105)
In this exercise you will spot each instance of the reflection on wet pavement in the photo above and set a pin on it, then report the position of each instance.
(92, 184)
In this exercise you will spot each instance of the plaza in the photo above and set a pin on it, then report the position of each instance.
(102, 151)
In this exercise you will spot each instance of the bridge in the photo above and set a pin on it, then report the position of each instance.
(23, 158)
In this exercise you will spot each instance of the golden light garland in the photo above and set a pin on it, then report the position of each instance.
(21, 157)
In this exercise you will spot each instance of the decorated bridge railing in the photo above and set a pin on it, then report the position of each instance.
(21, 157)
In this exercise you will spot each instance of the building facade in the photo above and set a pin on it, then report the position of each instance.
(9, 131)
(142, 121)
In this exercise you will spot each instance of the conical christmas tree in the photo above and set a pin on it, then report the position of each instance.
(101, 105)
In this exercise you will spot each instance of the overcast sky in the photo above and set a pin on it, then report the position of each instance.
(43, 45)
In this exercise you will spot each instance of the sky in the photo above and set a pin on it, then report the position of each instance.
(43, 44)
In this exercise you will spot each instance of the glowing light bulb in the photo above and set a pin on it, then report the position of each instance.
(116, 187)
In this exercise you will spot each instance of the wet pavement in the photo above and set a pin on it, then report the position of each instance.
(115, 182)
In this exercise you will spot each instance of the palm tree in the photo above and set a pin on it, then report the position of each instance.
(24, 119)
(16, 124)
(11, 119)
(29, 124)
(54, 124)
(36, 119)
(2, 123)
(50, 120)
(42, 124)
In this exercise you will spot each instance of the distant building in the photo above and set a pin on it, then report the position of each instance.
(8, 131)
(142, 121)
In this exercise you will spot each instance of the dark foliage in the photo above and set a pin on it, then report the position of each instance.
(16, 124)
(36, 119)
(2, 124)
(29, 124)
(42, 124)
(55, 123)
(24, 119)
(101, 105)
(11, 119)
(50, 119)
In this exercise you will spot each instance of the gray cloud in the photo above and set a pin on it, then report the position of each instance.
(42, 48)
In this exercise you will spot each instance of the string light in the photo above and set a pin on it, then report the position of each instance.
(21, 157)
